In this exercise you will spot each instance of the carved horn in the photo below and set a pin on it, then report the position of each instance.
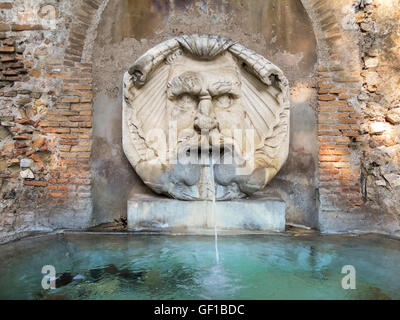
(150, 60)
(260, 67)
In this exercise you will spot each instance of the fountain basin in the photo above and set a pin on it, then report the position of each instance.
(141, 267)
(158, 213)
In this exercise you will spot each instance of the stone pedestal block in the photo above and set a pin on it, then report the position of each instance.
(157, 214)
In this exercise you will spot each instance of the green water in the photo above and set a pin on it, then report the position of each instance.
(184, 267)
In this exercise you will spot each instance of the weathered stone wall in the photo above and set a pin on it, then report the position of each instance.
(379, 26)
(45, 111)
(342, 58)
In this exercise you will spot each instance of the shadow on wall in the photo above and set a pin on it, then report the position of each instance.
(113, 176)
(280, 30)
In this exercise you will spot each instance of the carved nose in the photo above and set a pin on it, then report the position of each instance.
(205, 117)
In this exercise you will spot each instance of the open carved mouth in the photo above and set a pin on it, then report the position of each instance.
(205, 155)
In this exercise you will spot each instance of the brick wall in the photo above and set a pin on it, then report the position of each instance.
(46, 112)
(338, 115)
(71, 120)
(338, 129)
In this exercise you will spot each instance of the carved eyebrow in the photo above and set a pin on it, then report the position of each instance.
(225, 86)
(187, 82)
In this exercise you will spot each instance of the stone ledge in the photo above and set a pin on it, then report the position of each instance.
(157, 214)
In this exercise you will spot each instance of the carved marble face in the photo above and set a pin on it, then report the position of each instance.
(203, 97)
(205, 102)
(204, 126)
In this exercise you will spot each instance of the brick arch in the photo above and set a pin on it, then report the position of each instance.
(330, 36)
(338, 115)
(83, 31)
(71, 176)
(337, 84)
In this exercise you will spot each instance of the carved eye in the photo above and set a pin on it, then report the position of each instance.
(223, 101)
(186, 102)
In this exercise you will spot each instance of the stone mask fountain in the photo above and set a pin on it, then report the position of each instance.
(205, 119)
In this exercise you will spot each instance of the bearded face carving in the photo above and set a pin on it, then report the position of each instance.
(205, 118)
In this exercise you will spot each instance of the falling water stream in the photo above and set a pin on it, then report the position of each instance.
(214, 207)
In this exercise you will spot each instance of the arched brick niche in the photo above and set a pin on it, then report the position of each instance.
(282, 31)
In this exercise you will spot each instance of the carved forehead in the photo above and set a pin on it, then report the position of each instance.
(223, 66)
